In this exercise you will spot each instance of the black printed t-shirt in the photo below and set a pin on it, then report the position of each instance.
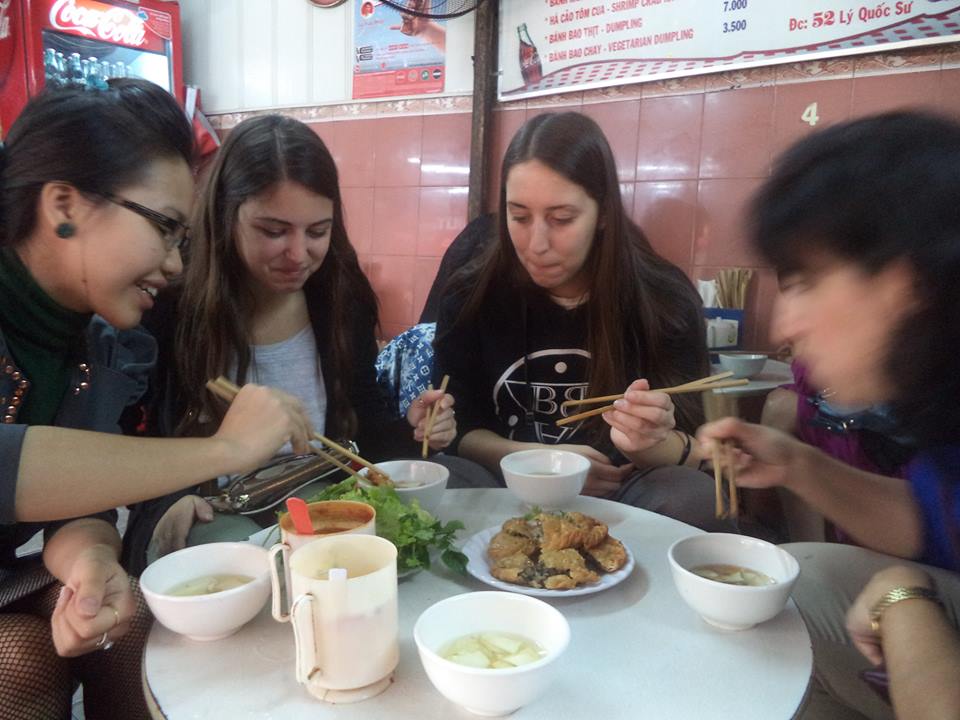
(495, 389)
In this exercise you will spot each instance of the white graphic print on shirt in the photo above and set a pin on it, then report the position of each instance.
(554, 375)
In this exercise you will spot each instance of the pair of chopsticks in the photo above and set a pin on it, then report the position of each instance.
(716, 406)
(714, 382)
(226, 390)
(432, 416)
(722, 451)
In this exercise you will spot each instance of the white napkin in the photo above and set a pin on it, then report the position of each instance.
(708, 292)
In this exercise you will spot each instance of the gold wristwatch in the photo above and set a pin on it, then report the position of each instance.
(895, 595)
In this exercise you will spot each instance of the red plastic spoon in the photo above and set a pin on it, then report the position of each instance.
(301, 516)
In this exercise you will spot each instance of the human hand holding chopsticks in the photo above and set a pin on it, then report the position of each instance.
(640, 419)
(763, 457)
(259, 421)
(439, 432)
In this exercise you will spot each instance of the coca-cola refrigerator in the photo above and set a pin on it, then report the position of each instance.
(83, 43)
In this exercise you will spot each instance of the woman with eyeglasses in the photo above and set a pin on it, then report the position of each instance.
(94, 189)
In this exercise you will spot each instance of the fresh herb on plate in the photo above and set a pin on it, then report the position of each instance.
(411, 528)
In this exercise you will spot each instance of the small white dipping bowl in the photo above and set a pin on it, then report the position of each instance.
(415, 479)
(550, 479)
(214, 616)
(743, 366)
(732, 607)
(482, 691)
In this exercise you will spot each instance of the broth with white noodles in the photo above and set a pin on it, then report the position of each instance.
(733, 575)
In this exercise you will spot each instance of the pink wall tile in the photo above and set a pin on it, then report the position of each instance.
(358, 215)
(669, 139)
(720, 237)
(425, 274)
(950, 93)
(765, 289)
(505, 126)
(446, 150)
(618, 120)
(832, 98)
(397, 147)
(737, 133)
(393, 280)
(626, 196)
(879, 93)
(443, 214)
(666, 211)
(352, 148)
(395, 220)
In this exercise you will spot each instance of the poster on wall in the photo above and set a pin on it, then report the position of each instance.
(395, 54)
(551, 46)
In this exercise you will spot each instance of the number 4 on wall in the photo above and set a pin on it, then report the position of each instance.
(809, 115)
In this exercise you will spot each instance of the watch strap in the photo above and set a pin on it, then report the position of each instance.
(898, 594)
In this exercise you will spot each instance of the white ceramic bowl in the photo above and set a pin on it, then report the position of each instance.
(732, 607)
(482, 691)
(543, 477)
(420, 479)
(214, 616)
(743, 366)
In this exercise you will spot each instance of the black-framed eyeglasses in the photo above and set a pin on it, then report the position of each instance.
(176, 234)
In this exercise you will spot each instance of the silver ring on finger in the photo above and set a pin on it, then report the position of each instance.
(103, 643)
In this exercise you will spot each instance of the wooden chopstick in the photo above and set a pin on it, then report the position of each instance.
(732, 482)
(431, 418)
(719, 510)
(723, 451)
(680, 390)
(675, 389)
(226, 390)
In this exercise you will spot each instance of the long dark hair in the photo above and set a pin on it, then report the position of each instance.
(871, 192)
(644, 316)
(99, 142)
(217, 301)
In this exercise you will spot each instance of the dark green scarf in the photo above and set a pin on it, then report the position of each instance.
(45, 339)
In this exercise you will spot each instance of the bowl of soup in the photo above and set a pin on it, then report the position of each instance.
(549, 479)
(419, 480)
(491, 652)
(207, 592)
(732, 581)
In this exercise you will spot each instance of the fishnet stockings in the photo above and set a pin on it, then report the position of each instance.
(36, 683)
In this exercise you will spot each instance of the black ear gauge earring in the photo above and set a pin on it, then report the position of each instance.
(66, 230)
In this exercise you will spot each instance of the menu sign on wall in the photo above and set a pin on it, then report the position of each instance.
(550, 46)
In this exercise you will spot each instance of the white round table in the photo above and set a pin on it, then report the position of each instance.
(636, 650)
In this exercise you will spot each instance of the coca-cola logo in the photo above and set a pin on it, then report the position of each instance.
(106, 22)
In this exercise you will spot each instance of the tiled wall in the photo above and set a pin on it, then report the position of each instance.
(690, 152)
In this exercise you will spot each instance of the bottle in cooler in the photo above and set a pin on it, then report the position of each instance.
(51, 70)
(75, 76)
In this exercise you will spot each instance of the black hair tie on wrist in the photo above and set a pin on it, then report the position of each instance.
(687, 445)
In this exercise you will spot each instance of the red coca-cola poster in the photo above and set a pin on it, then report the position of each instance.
(85, 43)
